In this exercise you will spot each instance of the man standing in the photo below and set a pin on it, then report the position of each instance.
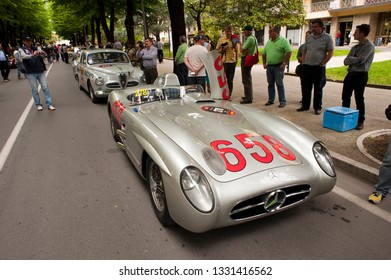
(383, 185)
(228, 49)
(159, 46)
(275, 57)
(35, 72)
(250, 47)
(359, 62)
(318, 50)
(148, 56)
(18, 61)
(194, 63)
(4, 67)
(180, 61)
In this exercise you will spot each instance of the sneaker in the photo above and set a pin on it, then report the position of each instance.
(6, 80)
(39, 108)
(375, 198)
(282, 105)
(51, 108)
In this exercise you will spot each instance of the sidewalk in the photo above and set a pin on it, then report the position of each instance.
(343, 146)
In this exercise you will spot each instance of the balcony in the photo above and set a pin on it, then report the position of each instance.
(320, 6)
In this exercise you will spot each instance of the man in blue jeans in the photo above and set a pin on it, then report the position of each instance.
(383, 186)
(275, 57)
(35, 72)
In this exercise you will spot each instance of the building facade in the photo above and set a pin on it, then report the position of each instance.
(344, 15)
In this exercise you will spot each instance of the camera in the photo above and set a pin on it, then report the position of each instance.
(192, 73)
(224, 44)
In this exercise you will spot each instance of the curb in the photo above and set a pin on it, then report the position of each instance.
(357, 168)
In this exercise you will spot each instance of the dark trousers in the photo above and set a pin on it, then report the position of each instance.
(160, 55)
(229, 69)
(150, 75)
(247, 81)
(183, 74)
(313, 77)
(200, 80)
(356, 82)
(5, 69)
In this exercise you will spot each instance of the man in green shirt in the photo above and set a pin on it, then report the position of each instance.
(180, 61)
(250, 46)
(275, 57)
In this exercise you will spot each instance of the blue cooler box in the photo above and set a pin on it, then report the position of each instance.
(340, 118)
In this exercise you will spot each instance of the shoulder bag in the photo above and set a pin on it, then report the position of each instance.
(250, 60)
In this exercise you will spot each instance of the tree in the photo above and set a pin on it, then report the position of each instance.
(196, 8)
(176, 9)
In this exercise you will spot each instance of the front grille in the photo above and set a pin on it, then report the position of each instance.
(113, 85)
(255, 206)
(122, 80)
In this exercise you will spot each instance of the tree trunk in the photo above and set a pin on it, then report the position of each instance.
(97, 31)
(102, 14)
(177, 17)
(129, 21)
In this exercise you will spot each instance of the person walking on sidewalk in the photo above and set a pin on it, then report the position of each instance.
(318, 50)
(383, 185)
(4, 67)
(275, 57)
(18, 62)
(359, 62)
(249, 47)
(35, 72)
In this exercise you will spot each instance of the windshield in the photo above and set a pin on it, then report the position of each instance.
(107, 57)
(142, 96)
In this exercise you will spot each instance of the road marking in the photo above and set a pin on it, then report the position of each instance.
(15, 132)
(373, 209)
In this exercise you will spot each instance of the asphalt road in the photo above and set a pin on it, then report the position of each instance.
(67, 192)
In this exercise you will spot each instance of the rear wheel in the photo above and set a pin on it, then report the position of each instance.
(92, 93)
(79, 82)
(157, 193)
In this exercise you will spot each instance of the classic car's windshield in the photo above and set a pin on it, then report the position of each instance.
(107, 57)
(142, 96)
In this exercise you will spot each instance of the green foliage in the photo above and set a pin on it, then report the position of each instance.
(376, 75)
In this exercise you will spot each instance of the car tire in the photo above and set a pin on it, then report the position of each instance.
(92, 94)
(114, 126)
(79, 83)
(157, 193)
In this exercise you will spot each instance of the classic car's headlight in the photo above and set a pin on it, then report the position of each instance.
(214, 160)
(99, 81)
(323, 158)
(197, 189)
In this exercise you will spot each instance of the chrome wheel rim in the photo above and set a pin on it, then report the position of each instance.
(157, 187)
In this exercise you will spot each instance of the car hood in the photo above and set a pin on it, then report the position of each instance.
(110, 68)
(271, 141)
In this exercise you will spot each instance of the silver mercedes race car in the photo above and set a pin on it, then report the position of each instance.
(99, 71)
(211, 163)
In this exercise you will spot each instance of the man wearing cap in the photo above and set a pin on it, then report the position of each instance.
(35, 72)
(250, 46)
(194, 63)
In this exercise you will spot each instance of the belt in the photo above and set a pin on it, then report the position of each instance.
(278, 64)
(358, 73)
(150, 68)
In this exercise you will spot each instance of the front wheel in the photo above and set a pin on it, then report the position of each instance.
(114, 126)
(157, 193)
(92, 94)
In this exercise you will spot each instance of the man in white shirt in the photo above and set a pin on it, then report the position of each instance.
(4, 67)
(194, 63)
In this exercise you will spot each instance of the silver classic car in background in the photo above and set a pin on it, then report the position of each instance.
(99, 71)
(211, 163)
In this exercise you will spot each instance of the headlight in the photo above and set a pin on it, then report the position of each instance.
(214, 160)
(323, 158)
(99, 81)
(197, 190)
